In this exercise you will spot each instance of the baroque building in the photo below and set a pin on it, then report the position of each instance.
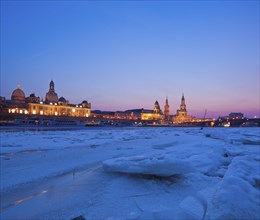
(51, 96)
(182, 114)
(166, 110)
(155, 114)
(52, 106)
(18, 95)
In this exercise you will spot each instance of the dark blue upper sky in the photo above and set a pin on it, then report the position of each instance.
(123, 55)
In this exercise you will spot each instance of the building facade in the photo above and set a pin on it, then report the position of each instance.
(155, 114)
(167, 116)
(52, 106)
(182, 114)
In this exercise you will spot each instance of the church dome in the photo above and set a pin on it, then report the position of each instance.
(85, 102)
(18, 95)
(62, 99)
(51, 96)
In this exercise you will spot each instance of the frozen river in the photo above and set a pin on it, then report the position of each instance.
(130, 173)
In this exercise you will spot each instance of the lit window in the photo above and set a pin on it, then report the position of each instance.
(73, 110)
(9, 110)
(56, 113)
(41, 112)
(34, 112)
(25, 112)
(50, 103)
(87, 115)
(21, 111)
(55, 103)
(13, 110)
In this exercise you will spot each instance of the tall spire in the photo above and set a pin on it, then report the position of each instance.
(182, 98)
(183, 105)
(166, 110)
(19, 86)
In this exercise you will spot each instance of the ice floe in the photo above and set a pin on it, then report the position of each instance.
(158, 165)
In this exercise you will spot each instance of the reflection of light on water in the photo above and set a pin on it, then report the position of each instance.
(22, 200)
(44, 191)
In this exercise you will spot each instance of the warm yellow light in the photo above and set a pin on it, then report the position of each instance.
(9, 110)
(87, 115)
(227, 125)
(13, 110)
(34, 112)
(21, 111)
(41, 112)
(56, 113)
(73, 110)
(50, 103)
(25, 112)
(55, 104)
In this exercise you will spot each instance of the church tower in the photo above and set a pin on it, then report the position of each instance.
(157, 108)
(166, 110)
(182, 112)
(183, 105)
(51, 87)
(51, 96)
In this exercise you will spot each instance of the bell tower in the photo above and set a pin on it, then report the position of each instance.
(183, 105)
(166, 110)
(182, 112)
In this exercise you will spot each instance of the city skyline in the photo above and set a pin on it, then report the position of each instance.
(126, 55)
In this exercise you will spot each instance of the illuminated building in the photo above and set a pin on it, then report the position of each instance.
(52, 106)
(18, 95)
(32, 99)
(156, 114)
(182, 114)
(236, 115)
(166, 110)
(51, 96)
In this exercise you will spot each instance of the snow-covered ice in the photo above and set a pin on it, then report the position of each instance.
(130, 173)
(158, 165)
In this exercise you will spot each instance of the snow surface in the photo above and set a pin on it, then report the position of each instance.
(130, 173)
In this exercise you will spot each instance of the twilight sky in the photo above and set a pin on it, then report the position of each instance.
(125, 55)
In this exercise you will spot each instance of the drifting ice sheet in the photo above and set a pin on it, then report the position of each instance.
(158, 165)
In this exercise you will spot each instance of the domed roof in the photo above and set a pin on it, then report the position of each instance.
(51, 96)
(62, 99)
(85, 102)
(18, 95)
